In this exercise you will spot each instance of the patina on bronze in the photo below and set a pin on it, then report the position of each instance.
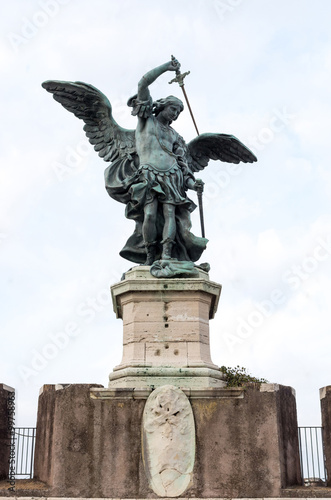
(151, 168)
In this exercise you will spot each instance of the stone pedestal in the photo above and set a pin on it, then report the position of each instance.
(203, 441)
(89, 442)
(325, 397)
(5, 391)
(165, 331)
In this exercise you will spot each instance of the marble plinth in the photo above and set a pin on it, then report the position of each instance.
(165, 330)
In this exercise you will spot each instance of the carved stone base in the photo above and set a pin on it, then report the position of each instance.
(165, 330)
(89, 442)
(152, 377)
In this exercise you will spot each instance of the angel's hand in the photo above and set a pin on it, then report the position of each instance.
(198, 186)
(174, 64)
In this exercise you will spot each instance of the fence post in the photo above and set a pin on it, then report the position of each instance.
(325, 397)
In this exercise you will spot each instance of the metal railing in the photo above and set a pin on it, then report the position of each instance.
(312, 462)
(25, 438)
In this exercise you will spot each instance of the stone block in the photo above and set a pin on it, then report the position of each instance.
(198, 354)
(325, 397)
(5, 392)
(136, 310)
(157, 353)
(179, 310)
(169, 331)
(133, 354)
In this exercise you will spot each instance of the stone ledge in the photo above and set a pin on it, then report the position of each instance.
(152, 377)
(300, 492)
(128, 393)
(267, 387)
(168, 371)
(7, 388)
(136, 368)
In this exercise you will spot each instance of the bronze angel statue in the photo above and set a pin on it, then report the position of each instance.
(150, 168)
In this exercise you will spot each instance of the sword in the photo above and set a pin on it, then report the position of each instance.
(180, 80)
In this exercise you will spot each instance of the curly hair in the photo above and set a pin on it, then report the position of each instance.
(160, 104)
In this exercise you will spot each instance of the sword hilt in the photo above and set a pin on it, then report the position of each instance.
(179, 76)
(199, 184)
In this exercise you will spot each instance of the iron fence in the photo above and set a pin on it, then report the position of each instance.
(25, 438)
(312, 462)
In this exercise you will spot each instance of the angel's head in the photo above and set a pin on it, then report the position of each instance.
(170, 105)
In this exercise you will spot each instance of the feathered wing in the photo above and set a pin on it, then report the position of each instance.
(111, 141)
(222, 147)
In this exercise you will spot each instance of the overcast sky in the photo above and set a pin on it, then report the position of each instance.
(260, 70)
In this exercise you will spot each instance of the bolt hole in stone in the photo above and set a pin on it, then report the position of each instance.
(166, 346)
(165, 318)
(165, 286)
(166, 325)
(176, 352)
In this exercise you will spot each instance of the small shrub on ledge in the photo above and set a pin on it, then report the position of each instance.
(238, 377)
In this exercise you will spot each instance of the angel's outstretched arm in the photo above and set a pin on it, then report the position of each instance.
(152, 75)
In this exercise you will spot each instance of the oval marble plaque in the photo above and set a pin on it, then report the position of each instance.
(168, 441)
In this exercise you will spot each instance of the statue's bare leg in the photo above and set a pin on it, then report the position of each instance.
(169, 230)
(149, 231)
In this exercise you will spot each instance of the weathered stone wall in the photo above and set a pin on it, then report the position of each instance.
(4, 431)
(325, 396)
(245, 447)
(86, 447)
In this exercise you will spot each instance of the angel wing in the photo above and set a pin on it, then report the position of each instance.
(222, 147)
(111, 141)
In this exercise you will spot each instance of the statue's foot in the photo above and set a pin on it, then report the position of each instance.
(167, 249)
(149, 261)
(151, 253)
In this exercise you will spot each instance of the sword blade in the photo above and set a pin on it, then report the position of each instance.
(189, 107)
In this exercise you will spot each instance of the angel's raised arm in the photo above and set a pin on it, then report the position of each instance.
(152, 75)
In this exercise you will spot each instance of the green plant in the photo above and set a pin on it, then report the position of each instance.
(238, 376)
